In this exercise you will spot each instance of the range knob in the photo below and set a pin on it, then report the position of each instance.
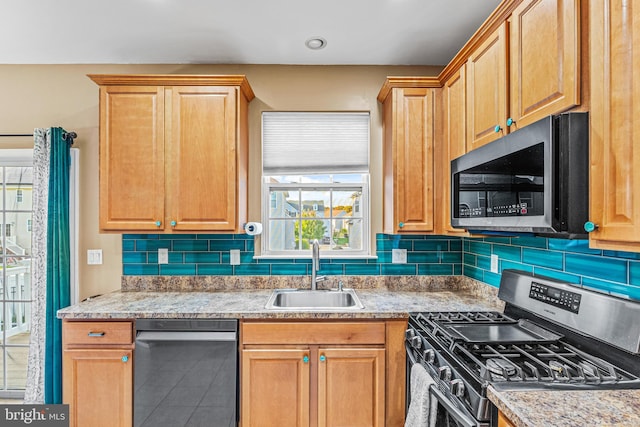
(457, 387)
(428, 355)
(409, 333)
(444, 373)
(415, 342)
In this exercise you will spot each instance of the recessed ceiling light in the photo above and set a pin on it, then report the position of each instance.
(316, 43)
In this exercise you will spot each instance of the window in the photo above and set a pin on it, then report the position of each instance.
(315, 183)
(16, 180)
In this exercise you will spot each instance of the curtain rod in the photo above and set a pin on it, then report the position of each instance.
(65, 135)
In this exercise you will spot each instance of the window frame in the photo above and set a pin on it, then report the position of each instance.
(267, 187)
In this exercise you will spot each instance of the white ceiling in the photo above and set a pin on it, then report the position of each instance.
(371, 32)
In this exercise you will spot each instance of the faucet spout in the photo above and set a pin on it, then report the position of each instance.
(315, 265)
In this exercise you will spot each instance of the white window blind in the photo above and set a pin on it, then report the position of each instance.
(314, 142)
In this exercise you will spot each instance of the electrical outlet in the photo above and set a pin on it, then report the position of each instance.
(494, 263)
(163, 256)
(234, 257)
(94, 256)
(399, 256)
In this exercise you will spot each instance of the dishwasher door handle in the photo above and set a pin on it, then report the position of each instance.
(148, 336)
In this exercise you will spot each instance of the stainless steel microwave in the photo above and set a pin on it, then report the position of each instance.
(533, 180)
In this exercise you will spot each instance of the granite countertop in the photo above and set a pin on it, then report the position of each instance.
(245, 297)
(562, 408)
(249, 304)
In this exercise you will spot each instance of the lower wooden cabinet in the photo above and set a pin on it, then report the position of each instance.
(98, 387)
(275, 387)
(351, 387)
(97, 368)
(321, 374)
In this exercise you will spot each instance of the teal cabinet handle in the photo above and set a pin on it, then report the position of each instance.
(158, 223)
(497, 128)
(305, 359)
(125, 359)
(510, 121)
(323, 358)
(173, 223)
(401, 224)
(590, 226)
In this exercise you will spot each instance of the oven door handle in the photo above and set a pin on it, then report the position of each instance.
(460, 417)
(454, 412)
(412, 358)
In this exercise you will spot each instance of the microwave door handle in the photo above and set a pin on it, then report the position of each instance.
(452, 411)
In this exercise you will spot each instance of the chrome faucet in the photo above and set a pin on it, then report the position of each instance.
(315, 265)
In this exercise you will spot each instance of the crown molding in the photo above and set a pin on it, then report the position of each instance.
(406, 82)
(175, 80)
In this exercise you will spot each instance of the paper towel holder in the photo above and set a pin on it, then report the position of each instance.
(253, 228)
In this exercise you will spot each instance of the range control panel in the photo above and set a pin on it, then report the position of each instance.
(565, 300)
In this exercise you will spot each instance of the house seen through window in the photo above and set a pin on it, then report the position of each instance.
(315, 183)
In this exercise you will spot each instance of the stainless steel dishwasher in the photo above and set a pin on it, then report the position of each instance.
(185, 373)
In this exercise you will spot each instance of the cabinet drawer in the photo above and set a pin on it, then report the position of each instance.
(97, 333)
(313, 333)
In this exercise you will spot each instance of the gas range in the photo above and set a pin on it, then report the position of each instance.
(545, 339)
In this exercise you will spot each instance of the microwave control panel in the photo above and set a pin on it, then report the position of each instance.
(514, 209)
(565, 300)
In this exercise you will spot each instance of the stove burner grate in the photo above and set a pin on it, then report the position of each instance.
(545, 363)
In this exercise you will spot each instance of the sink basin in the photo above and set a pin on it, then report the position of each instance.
(300, 299)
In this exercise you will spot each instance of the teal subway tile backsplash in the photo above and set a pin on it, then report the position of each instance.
(178, 269)
(214, 270)
(191, 245)
(567, 260)
(543, 258)
(208, 254)
(571, 261)
(601, 267)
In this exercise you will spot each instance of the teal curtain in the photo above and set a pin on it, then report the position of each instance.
(58, 262)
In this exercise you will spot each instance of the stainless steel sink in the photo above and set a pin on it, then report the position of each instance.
(304, 299)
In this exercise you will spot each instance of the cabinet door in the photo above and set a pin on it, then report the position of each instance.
(351, 387)
(455, 104)
(413, 160)
(275, 387)
(615, 128)
(487, 85)
(201, 158)
(132, 158)
(503, 421)
(98, 386)
(544, 59)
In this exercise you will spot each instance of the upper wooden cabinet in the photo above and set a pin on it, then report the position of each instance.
(487, 90)
(527, 69)
(544, 59)
(615, 128)
(453, 145)
(173, 152)
(408, 126)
